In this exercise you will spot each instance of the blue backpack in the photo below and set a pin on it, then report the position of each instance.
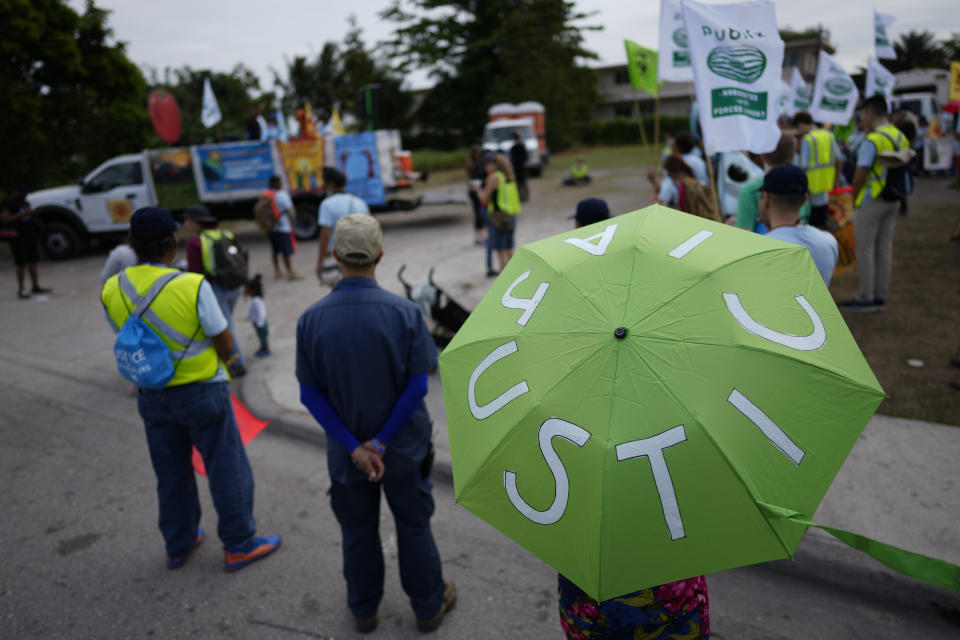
(142, 356)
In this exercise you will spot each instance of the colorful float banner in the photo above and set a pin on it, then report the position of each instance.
(879, 80)
(303, 164)
(954, 81)
(881, 40)
(674, 63)
(834, 94)
(171, 171)
(234, 170)
(356, 157)
(737, 54)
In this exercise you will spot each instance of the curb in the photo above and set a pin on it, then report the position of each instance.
(258, 400)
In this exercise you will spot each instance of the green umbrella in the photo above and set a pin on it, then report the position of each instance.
(653, 397)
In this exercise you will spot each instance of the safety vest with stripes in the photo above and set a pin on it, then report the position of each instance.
(821, 168)
(877, 176)
(172, 315)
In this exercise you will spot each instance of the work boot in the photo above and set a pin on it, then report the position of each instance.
(449, 599)
(365, 625)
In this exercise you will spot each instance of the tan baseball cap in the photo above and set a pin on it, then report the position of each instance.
(357, 238)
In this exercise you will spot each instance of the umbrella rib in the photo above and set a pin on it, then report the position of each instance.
(705, 277)
(563, 275)
(819, 367)
(716, 445)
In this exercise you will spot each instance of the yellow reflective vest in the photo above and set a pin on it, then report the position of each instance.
(821, 167)
(579, 171)
(207, 238)
(172, 315)
(508, 196)
(894, 140)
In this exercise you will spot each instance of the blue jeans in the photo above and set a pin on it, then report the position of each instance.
(198, 414)
(228, 302)
(357, 508)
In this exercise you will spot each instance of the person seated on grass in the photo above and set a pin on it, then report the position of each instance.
(579, 174)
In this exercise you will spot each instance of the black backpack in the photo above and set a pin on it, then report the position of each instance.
(230, 262)
(899, 181)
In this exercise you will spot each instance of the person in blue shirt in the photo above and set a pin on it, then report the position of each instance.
(783, 193)
(336, 205)
(363, 357)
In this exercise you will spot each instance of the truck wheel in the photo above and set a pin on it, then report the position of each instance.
(59, 240)
(305, 226)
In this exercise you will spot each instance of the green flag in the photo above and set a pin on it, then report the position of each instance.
(642, 64)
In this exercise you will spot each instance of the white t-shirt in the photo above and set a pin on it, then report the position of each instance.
(284, 203)
(337, 206)
(257, 312)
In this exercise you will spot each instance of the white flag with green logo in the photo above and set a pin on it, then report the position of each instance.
(737, 54)
(209, 109)
(881, 40)
(834, 93)
(801, 94)
(674, 60)
(879, 80)
(785, 96)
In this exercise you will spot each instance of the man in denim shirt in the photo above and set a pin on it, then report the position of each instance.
(363, 357)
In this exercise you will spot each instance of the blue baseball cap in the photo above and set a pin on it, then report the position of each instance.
(785, 180)
(591, 210)
(152, 223)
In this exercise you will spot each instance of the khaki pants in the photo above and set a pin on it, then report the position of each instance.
(873, 226)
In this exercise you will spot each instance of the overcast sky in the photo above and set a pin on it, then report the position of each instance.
(262, 35)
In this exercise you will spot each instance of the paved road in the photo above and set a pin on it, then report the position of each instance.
(85, 559)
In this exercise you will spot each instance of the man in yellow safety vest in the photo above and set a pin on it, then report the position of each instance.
(194, 408)
(820, 157)
(875, 216)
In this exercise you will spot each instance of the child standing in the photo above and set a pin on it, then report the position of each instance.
(257, 313)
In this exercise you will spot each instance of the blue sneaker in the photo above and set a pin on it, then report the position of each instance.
(236, 559)
(856, 305)
(262, 353)
(176, 563)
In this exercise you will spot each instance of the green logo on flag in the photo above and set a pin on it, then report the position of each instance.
(833, 104)
(680, 37)
(738, 102)
(838, 86)
(681, 58)
(881, 38)
(745, 63)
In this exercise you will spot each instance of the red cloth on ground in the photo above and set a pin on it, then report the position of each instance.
(248, 425)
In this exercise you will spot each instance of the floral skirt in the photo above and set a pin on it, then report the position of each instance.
(673, 611)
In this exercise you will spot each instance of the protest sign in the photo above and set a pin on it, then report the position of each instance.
(879, 80)
(801, 94)
(883, 47)
(736, 53)
(834, 94)
(673, 63)
(642, 67)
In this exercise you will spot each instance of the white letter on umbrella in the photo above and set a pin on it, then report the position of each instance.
(595, 249)
(801, 343)
(529, 305)
(554, 427)
(653, 448)
(485, 411)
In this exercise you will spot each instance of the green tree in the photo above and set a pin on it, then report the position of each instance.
(499, 50)
(951, 47)
(314, 81)
(237, 92)
(66, 85)
(917, 50)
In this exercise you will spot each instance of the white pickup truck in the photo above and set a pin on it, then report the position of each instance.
(227, 177)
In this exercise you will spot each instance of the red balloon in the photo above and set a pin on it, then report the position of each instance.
(165, 115)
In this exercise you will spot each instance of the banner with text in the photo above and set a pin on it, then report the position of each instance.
(674, 62)
(801, 94)
(882, 45)
(834, 93)
(879, 80)
(737, 53)
(234, 170)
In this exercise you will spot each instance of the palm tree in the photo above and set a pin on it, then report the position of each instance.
(917, 49)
